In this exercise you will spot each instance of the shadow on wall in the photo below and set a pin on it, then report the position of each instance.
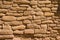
(58, 9)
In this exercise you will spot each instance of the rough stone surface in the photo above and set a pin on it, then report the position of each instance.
(29, 20)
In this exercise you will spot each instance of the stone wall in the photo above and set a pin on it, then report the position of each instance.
(29, 20)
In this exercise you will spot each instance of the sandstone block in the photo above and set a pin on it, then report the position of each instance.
(47, 38)
(26, 21)
(40, 35)
(15, 23)
(46, 9)
(1, 22)
(54, 9)
(27, 13)
(22, 18)
(36, 17)
(7, 3)
(8, 18)
(37, 31)
(6, 32)
(48, 14)
(19, 27)
(3, 10)
(44, 26)
(18, 32)
(29, 31)
(33, 2)
(14, 14)
(7, 27)
(6, 36)
(41, 5)
(32, 26)
(47, 21)
(52, 25)
(44, 2)
(1, 14)
(37, 21)
(21, 1)
(16, 38)
(26, 39)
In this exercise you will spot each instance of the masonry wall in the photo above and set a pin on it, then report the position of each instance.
(29, 20)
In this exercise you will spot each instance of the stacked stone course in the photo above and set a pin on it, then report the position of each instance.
(29, 20)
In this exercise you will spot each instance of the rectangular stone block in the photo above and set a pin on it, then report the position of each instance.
(37, 21)
(7, 2)
(21, 1)
(26, 21)
(20, 27)
(44, 2)
(48, 14)
(45, 9)
(29, 31)
(47, 21)
(18, 32)
(32, 26)
(36, 17)
(37, 31)
(33, 2)
(6, 36)
(44, 26)
(3, 10)
(6, 32)
(1, 14)
(16, 38)
(15, 14)
(15, 23)
(8, 18)
(27, 13)
(40, 35)
(24, 17)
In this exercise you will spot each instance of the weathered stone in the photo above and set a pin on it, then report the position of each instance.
(1, 22)
(52, 25)
(14, 14)
(7, 3)
(44, 26)
(21, 1)
(37, 31)
(46, 9)
(32, 26)
(19, 27)
(37, 21)
(36, 17)
(27, 12)
(33, 2)
(40, 35)
(29, 31)
(7, 27)
(26, 21)
(16, 38)
(1, 14)
(8, 18)
(26, 39)
(44, 2)
(24, 17)
(15, 23)
(3, 10)
(6, 32)
(6, 36)
(18, 32)
(48, 14)
(54, 9)
(47, 38)
(47, 21)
